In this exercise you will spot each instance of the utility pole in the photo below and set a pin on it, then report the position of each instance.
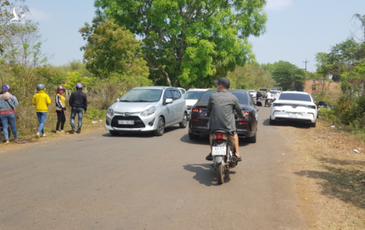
(306, 64)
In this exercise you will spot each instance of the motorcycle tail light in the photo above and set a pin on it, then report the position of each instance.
(197, 110)
(244, 123)
(194, 119)
(219, 136)
(246, 113)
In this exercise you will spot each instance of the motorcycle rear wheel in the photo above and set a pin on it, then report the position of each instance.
(220, 174)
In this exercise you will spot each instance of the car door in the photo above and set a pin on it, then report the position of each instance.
(179, 105)
(168, 109)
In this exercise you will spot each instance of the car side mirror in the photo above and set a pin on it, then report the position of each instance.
(168, 101)
(117, 100)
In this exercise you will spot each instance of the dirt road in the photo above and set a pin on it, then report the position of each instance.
(139, 181)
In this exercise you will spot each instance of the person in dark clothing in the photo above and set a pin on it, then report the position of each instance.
(220, 112)
(78, 103)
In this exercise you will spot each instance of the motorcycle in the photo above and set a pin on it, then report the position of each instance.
(223, 153)
(268, 102)
(259, 101)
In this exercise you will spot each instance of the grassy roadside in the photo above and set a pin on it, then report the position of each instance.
(90, 123)
(329, 176)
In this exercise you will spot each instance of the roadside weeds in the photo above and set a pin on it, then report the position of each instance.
(329, 176)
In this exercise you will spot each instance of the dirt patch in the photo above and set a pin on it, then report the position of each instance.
(329, 176)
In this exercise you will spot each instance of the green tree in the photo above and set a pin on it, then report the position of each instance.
(251, 76)
(288, 76)
(23, 45)
(6, 14)
(190, 42)
(111, 50)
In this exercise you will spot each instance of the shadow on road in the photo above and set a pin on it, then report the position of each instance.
(141, 134)
(204, 140)
(295, 124)
(346, 184)
(205, 174)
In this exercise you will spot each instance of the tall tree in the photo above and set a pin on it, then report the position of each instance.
(6, 14)
(23, 45)
(112, 50)
(190, 42)
(251, 76)
(288, 76)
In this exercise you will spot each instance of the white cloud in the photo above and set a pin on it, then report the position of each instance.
(278, 4)
(36, 14)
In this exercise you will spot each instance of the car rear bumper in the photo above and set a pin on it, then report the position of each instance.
(299, 116)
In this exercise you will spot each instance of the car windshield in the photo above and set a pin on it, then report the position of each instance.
(142, 95)
(193, 95)
(242, 97)
(295, 97)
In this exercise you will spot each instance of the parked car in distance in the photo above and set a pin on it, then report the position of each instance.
(150, 108)
(263, 92)
(275, 94)
(294, 106)
(246, 127)
(191, 97)
(322, 104)
(252, 93)
(183, 91)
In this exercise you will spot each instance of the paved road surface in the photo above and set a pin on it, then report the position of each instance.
(96, 181)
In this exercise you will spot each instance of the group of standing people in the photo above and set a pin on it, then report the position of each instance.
(77, 102)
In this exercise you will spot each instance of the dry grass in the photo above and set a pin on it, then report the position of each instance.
(330, 176)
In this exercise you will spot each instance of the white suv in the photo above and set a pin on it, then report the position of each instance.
(191, 97)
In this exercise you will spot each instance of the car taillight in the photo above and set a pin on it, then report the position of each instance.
(194, 119)
(197, 110)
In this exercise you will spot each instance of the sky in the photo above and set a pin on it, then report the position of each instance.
(296, 30)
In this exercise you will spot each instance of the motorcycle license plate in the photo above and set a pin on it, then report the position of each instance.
(219, 150)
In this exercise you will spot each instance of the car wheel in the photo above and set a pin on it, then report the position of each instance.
(193, 136)
(160, 127)
(184, 121)
(272, 122)
(313, 124)
(113, 133)
(252, 139)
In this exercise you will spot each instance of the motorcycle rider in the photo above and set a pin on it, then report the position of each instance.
(268, 97)
(258, 96)
(220, 112)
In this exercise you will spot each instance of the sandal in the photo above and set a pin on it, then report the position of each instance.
(209, 157)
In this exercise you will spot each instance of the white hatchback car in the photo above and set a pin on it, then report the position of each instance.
(150, 108)
(294, 106)
(191, 97)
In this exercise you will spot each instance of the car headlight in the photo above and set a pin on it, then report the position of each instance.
(110, 111)
(148, 112)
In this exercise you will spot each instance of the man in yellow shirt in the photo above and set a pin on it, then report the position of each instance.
(41, 100)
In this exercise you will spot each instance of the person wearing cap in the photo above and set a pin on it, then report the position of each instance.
(7, 113)
(41, 100)
(78, 103)
(220, 112)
